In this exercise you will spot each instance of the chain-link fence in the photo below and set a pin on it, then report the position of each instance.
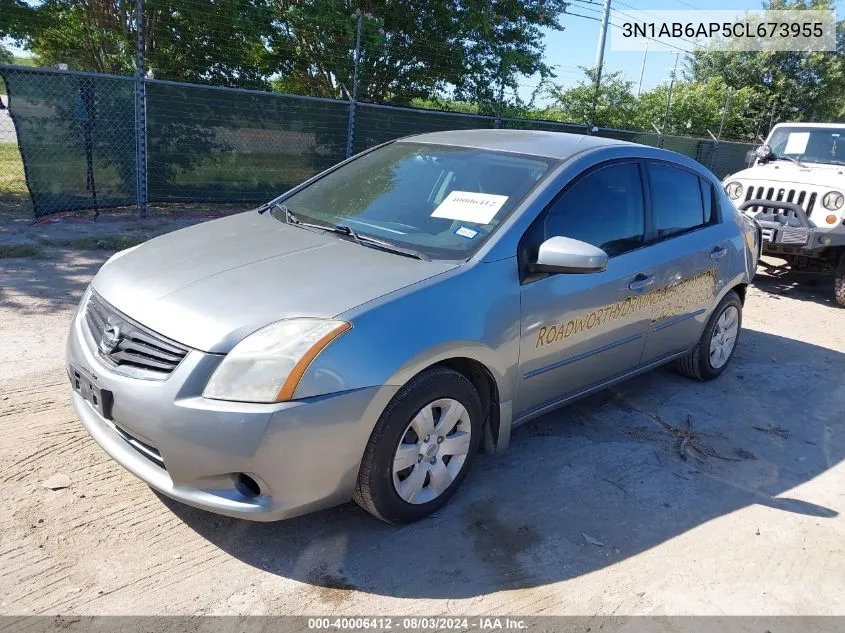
(70, 140)
(187, 103)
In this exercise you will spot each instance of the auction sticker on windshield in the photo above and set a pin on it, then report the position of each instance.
(470, 206)
(797, 143)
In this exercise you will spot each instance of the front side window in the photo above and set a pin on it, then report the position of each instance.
(676, 200)
(440, 200)
(604, 208)
(810, 145)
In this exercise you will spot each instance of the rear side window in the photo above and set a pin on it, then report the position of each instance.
(708, 197)
(604, 208)
(676, 201)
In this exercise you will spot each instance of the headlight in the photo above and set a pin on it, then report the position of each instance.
(268, 364)
(733, 189)
(833, 200)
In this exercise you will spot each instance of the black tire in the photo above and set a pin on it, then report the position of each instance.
(696, 364)
(374, 490)
(839, 282)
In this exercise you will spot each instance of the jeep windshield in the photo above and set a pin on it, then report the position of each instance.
(439, 200)
(809, 144)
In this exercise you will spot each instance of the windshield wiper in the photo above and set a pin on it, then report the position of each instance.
(290, 217)
(794, 160)
(363, 240)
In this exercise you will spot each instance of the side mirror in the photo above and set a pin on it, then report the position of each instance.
(750, 157)
(764, 152)
(565, 255)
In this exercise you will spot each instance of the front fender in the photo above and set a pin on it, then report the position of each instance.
(471, 312)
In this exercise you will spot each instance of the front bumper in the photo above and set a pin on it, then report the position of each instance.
(786, 229)
(304, 454)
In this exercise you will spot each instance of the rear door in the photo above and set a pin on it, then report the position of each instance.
(692, 255)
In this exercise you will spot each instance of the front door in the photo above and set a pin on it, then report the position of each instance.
(579, 330)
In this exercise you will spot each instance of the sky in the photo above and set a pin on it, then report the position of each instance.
(576, 45)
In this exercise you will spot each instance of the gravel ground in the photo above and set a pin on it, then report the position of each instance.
(592, 511)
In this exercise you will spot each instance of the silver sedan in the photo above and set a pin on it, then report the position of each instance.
(364, 335)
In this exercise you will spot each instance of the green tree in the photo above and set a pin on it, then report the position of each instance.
(473, 49)
(16, 19)
(696, 108)
(789, 85)
(219, 43)
(470, 49)
(615, 102)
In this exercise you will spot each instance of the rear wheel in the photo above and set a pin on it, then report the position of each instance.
(709, 358)
(421, 448)
(839, 281)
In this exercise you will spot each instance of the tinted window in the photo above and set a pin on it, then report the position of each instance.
(604, 208)
(439, 199)
(675, 200)
(709, 204)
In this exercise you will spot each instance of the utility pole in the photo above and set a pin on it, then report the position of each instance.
(642, 70)
(669, 99)
(350, 128)
(497, 122)
(140, 113)
(605, 18)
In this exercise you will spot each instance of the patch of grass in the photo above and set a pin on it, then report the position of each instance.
(11, 170)
(7, 251)
(105, 243)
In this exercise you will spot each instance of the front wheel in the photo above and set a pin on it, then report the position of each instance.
(709, 358)
(421, 448)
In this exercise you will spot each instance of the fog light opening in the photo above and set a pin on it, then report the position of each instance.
(247, 486)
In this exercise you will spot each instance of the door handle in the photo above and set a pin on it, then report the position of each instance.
(718, 252)
(641, 281)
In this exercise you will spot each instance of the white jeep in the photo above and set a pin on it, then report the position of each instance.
(795, 189)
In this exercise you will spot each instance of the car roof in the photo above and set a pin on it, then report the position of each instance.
(558, 145)
(816, 125)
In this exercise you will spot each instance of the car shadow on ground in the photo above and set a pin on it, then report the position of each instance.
(782, 281)
(584, 487)
(53, 283)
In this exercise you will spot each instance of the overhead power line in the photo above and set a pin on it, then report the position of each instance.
(611, 23)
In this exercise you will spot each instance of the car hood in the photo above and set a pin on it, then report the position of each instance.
(209, 285)
(824, 176)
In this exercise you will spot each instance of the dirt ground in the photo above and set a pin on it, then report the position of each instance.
(592, 511)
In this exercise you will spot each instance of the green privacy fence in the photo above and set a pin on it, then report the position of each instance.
(83, 144)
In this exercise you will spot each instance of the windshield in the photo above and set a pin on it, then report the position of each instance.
(810, 145)
(439, 200)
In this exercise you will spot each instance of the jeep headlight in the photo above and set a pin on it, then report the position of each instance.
(733, 189)
(833, 200)
(268, 364)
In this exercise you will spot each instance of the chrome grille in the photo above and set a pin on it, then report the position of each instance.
(140, 351)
